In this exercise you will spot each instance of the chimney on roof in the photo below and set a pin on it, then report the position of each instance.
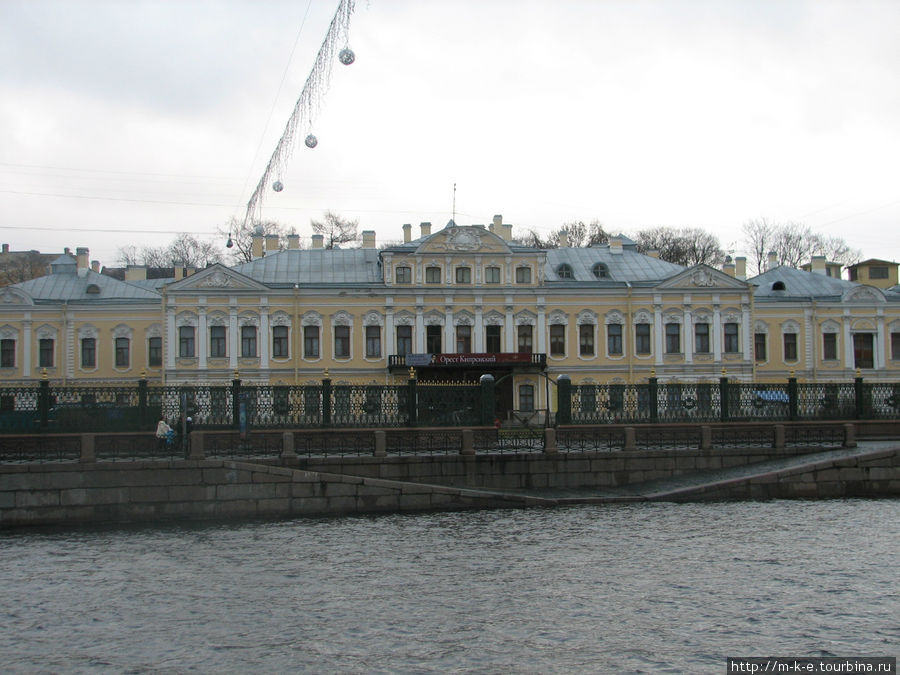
(67, 251)
(179, 271)
(740, 267)
(368, 238)
(81, 260)
(563, 239)
(293, 241)
(729, 267)
(135, 272)
(318, 241)
(653, 253)
(818, 264)
(615, 244)
(271, 243)
(188, 271)
(256, 244)
(6, 248)
(407, 233)
(95, 266)
(772, 261)
(425, 228)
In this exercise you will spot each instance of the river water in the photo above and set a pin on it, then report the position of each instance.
(646, 588)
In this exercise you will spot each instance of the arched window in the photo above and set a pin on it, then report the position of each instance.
(778, 286)
(601, 271)
(564, 271)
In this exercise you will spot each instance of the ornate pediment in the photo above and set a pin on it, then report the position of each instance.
(864, 294)
(217, 277)
(463, 239)
(13, 296)
(703, 277)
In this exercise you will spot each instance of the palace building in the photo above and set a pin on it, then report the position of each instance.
(453, 305)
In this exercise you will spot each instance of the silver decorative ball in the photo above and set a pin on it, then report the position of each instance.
(278, 186)
(346, 56)
(311, 141)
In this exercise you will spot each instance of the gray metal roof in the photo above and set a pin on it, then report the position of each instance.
(74, 288)
(629, 265)
(799, 284)
(315, 266)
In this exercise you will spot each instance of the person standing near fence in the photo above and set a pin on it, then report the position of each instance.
(162, 433)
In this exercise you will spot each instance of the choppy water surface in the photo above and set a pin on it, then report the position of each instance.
(637, 588)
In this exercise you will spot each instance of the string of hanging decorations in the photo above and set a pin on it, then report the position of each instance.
(335, 45)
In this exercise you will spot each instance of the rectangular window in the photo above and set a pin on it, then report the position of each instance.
(280, 344)
(492, 339)
(432, 275)
(525, 342)
(614, 339)
(186, 341)
(463, 339)
(123, 352)
(492, 275)
(557, 340)
(701, 338)
(404, 275)
(731, 338)
(523, 275)
(154, 351)
(864, 350)
(759, 346)
(7, 353)
(642, 338)
(217, 341)
(673, 338)
(878, 272)
(829, 346)
(342, 342)
(586, 339)
(433, 339)
(45, 352)
(464, 275)
(88, 353)
(526, 398)
(373, 342)
(404, 340)
(248, 341)
(895, 346)
(310, 342)
(790, 346)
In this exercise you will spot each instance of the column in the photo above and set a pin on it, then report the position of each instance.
(389, 331)
(478, 329)
(658, 332)
(449, 336)
(509, 328)
(881, 355)
(171, 338)
(264, 338)
(69, 348)
(688, 337)
(234, 338)
(541, 328)
(811, 340)
(26, 345)
(747, 333)
(717, 332)
(202, 338)
(420, 329)
(848, 343)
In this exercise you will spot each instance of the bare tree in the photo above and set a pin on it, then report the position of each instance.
(683, 246)
(240, 234)
(185, 250)
(793, 244)
(336, 230)
(578, 235)
(21, 266)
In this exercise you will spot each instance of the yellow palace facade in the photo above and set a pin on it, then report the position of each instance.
(452, 305)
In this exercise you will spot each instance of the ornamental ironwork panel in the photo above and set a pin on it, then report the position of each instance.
(423, 442)
(688, 402)
(50, 448)
(282, 406)
(731, 436)
(610, 403)
(368, 406)
(448, 405)
(830, 401)
(758, 402)
(520, 440)
(596, 439)
(19, 409)
(666, 438)
(311, 443)
(817, 436)
(881, 400)
(96, 408)
(134, 447)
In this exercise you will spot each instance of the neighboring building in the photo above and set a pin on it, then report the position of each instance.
(874, 272)
(453, 304)
(18, 266)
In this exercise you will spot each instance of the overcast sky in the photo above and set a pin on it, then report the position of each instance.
(124, 122)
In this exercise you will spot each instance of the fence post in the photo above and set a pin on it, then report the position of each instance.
(487, 399)
(326, 399)
(860, 398)
(44, 400)
(564, 400)
(142, 399)
(724, 395)
(235, 401)
(653, 392)
(411, 402)
(792, 397)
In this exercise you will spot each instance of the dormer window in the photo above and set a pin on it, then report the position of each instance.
(564, 271)
(778, 286)
(601, 271)
(93, 289)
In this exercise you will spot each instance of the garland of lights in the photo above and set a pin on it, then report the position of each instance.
(307, 105)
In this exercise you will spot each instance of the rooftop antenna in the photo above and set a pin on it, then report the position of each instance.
(454, 203)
